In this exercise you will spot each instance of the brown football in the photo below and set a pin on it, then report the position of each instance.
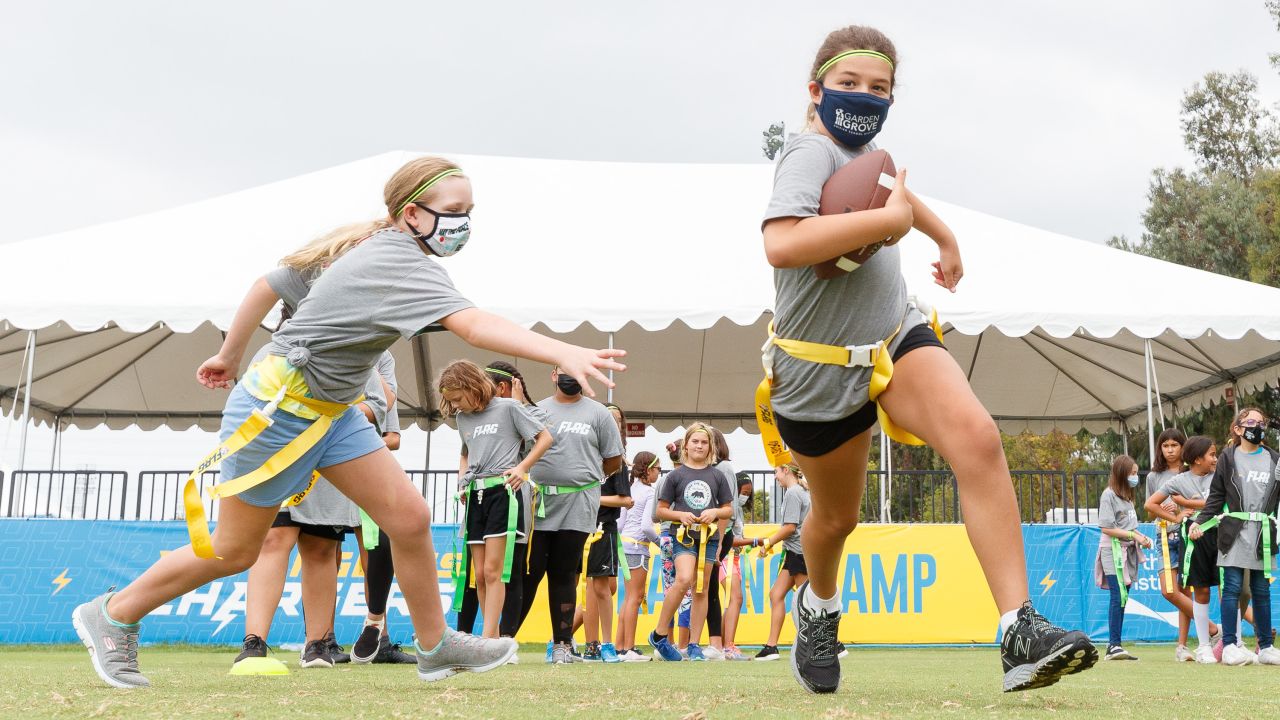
(859, 185)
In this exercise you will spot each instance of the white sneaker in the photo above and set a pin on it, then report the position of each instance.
(633, 656)
(1269, 656)
(712, 653)
(1204, 655)
(1182, 654)
(1236, 655)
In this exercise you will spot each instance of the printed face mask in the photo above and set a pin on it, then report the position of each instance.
(1252, 434)
(1133, 481)
(853, 118)
(450, 233)
(567, 384)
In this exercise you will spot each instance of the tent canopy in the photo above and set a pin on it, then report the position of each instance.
(663, 259)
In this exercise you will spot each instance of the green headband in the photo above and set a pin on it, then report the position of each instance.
(850, 53)
(503, 373)
(425, 186)
(655, 461)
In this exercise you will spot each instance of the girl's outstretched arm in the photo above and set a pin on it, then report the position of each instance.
(219, 370)
(492, 332)
(948, 270)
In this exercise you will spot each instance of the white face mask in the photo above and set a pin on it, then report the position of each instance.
(743, 500)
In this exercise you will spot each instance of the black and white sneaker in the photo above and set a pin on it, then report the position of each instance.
(254, 647)
(815, 661)
(767, 653)
(1036, 653)
(336, 651)
(391, 654)
(841, 651)
(316, 654)
(368, 644)
(1115, 652)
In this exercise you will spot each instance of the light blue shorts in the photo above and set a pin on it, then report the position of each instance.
(351, 436)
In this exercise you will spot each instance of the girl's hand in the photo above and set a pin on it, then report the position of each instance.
(515, 478)
(584, 364)
(948, 270)
(900, 205)
(216, 372)
(1143, 540)
(708, 517)
(688, 518)
(517, 390)
(1194, 531)
(1169, 506)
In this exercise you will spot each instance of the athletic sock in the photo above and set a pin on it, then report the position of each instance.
(1200, 611)
(830, 605)
(1007, 620)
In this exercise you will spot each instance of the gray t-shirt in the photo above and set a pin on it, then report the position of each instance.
(1254, 472)
(584, 434)
(382, 289)
(325, 505)
(1188, 485)
(694, 490)
(795, 507)
(1117, 513)
(858, 308)
(494, 438)
(1157, 480)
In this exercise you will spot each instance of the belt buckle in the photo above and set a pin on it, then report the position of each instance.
(861, 355)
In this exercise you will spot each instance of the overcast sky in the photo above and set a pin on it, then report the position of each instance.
(1051, 114)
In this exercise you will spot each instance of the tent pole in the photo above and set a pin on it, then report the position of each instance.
(611, 372)
(427, 460)
(53, 454)
(886, 480)
(1155, 385)
(26, 400)
(1151, 428)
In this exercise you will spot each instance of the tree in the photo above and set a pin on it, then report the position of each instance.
(773, 139)
(1227, 128)
(1273, 7)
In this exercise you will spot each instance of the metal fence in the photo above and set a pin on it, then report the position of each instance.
(911, 496)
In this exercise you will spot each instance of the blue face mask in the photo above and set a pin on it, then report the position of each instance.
(853, 118)
(1133, 481)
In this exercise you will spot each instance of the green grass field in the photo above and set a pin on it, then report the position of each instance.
(187, 682)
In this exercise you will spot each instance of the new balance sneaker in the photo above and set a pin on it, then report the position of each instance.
(592, 652)
(1036, 653)
(1115, 652)
(113, 647)
(1235, 655)
(814, 655)
(634, 655)
(1205, 656)
(768, 653)
(664, 649)
(711, 652)
(694, 652)
(462, 652)
(337, 653)
(609, 654)
(1182, 654)
(563, 654)
(841, 651)
(389, 653)
(316, 654)
(254, 646)
(369, 644)
(1269, 656)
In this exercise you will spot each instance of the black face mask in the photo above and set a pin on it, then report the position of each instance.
(568, 384)
(1252, 434)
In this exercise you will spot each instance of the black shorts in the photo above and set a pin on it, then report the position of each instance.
(817, 438)
(328, 532)
(793, 562)
(1204, 561)
(487, 514)
(602, 558)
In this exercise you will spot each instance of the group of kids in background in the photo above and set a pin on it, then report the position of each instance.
(1216, 520)
(844, 352)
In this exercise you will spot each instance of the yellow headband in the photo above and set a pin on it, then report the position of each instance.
(424, 186)
(851, 53)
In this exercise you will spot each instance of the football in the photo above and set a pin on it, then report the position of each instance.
(863, 183)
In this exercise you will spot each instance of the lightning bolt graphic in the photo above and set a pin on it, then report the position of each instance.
(1047, 582)
(61, 581)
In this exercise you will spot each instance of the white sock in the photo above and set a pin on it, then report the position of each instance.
(1007, 620)
(1200, 611)
(830, 605)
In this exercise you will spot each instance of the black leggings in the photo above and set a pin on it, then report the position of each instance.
(558, 555)
(715, 616)
(511, 606)
(377, 576)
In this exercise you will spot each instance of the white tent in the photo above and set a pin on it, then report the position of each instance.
(663, 260)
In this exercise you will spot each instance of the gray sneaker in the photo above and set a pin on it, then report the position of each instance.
(461, 652)
(113, 648)
(563, 654)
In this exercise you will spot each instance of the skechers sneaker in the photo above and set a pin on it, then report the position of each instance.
(254, 646)
(664, 649)
(1269, 656)
(1205, 656)
(113, 648)
(634, 655)
(1235, 655)
(336, 651)
(1115, 652)
(768, 653)
(694, 652)
(609, 654)
(369, 644)
(389, 653)
(592, 652)
(814, 655)
(462, 652)
(1182, 654)
(316, 654)
(563, 654)
(1036, 653)
(711, 652)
